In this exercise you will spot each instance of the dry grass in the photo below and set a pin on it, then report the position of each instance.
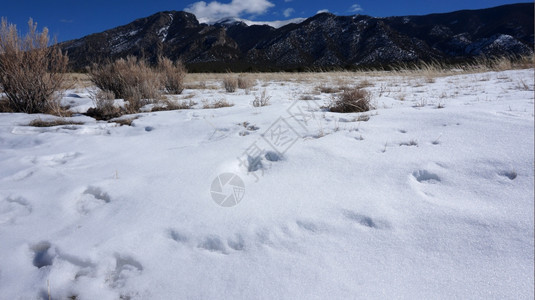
(124, 121)
(51, 123)
(32, 72)
(261, 100)
(230, 84)
(351, 100)
(175, 105)
(432, 71)
(216, 104)
(77, 81)
(244, 82)
(328, 89)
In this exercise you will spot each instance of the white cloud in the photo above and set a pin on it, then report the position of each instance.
(355, 8)
(288, 12)
(322, 11)
(213, 11)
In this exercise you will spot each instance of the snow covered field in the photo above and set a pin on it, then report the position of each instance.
(428, 196)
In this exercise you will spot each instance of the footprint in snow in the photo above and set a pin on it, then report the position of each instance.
(213, 244)
(54, 159)
(125, 268)
(511, 175)
(424, 176)
(366, 221)
(92, 198)
(13, 208)
(43, 254)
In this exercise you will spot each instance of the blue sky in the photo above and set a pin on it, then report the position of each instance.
(70, 19)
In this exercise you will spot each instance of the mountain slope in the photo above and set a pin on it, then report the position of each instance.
(324, 40)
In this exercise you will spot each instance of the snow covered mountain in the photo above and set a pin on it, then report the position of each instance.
(323, 41)
(229, 22)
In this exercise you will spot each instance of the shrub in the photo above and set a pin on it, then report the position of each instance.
(351, 100)
(31, 73)
(244, 82)
(105, 108)
(261, 100)
(131, 79)
(173, 75)
(230, 84)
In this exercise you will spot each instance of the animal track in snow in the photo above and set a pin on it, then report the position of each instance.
(125, 267)
(236, 243)
(425, 176)
(509, 174)
(43, 254)
(92, 198)
(272, 156)
(13, 208)
(54, 159)
(177, 236)
(213, 244)
(21, 175)
(308, 226)
(366, 221)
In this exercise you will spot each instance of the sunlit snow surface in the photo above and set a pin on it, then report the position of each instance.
(417, 202)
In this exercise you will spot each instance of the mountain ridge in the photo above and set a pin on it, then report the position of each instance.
(321, 41)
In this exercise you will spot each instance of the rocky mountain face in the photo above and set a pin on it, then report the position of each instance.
(322, 41)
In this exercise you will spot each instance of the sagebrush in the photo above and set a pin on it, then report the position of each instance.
(130, 79)
(351, 100)
(173, 74)
(32, 72)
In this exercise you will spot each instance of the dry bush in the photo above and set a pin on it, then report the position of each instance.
(245, 82)
(351, 100)
(105, 108)
(131, 79)
(174, 105)
(261, 100)
(230, 84)
(216, 104)
(31, 73)
(4, 105)
(173, 75)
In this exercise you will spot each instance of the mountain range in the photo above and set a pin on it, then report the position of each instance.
(324, 41)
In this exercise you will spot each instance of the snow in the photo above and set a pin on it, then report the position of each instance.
(274, 24)
(417, 202)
